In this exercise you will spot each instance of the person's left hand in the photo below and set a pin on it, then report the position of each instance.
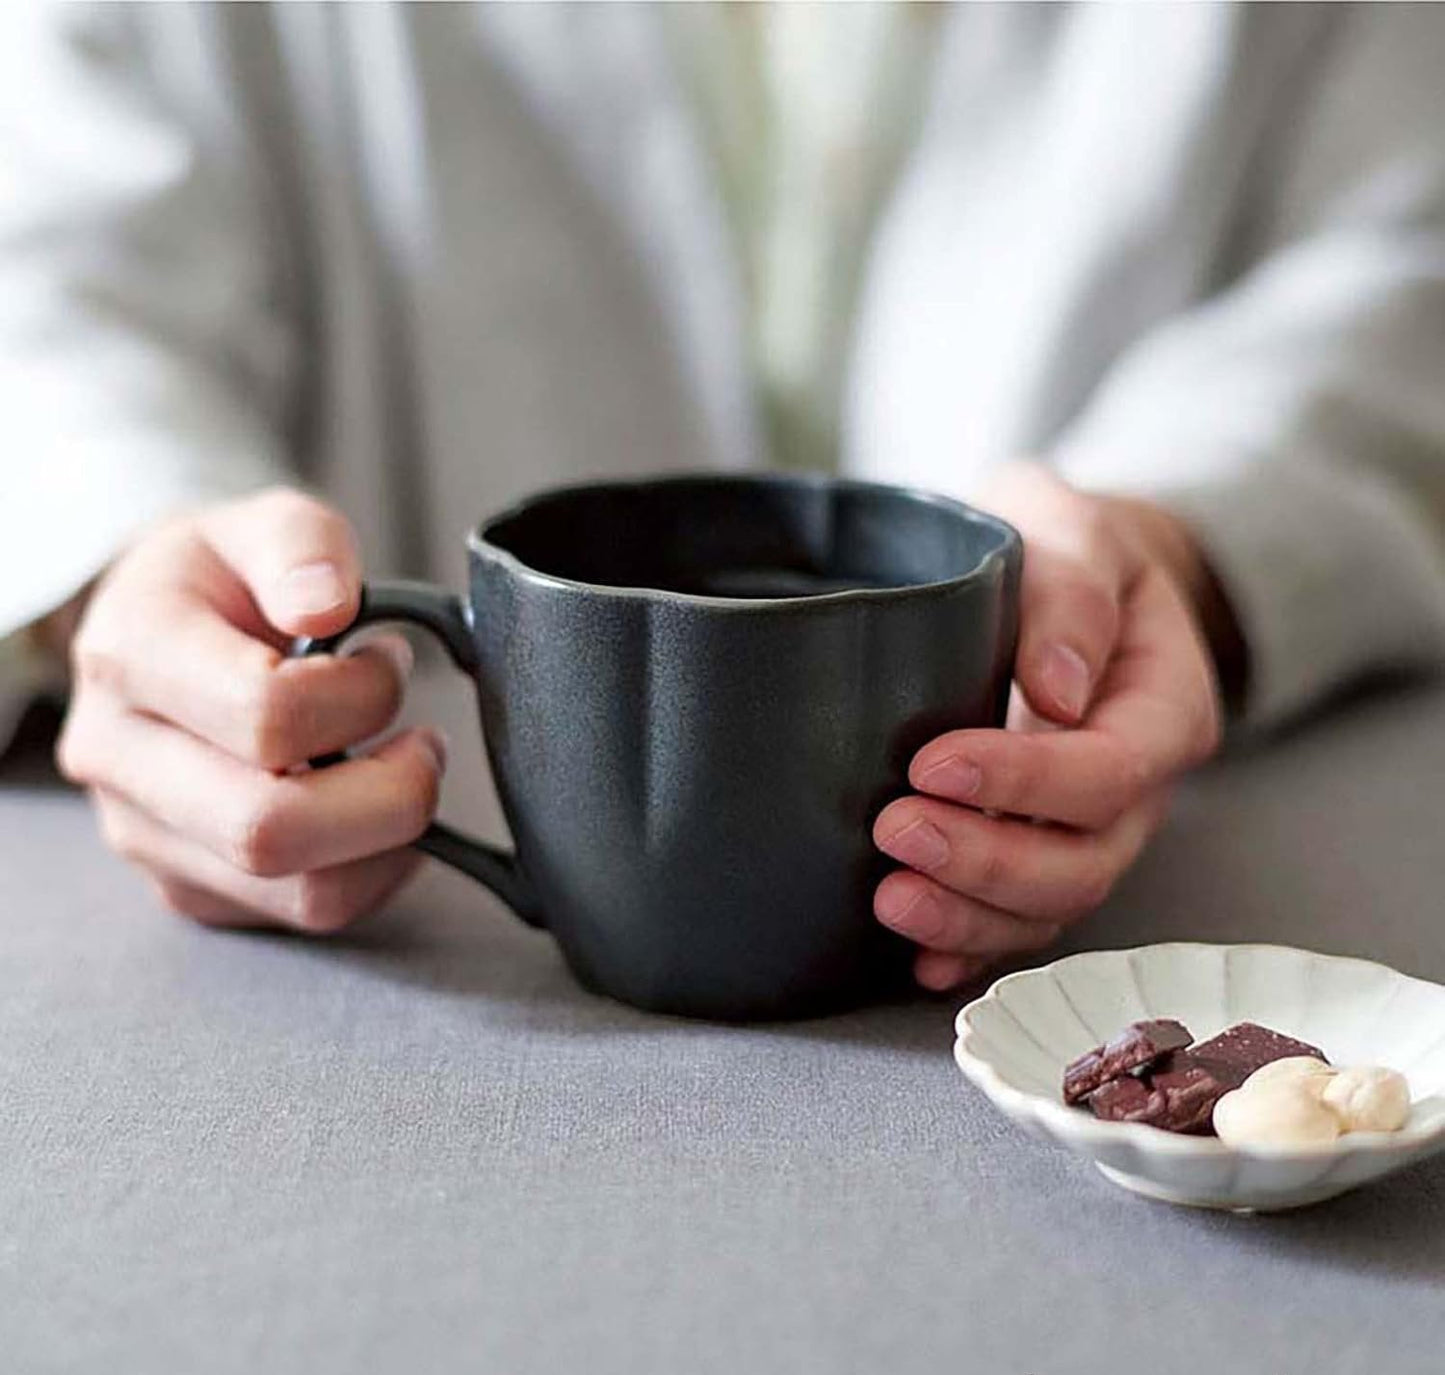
(1012, 834)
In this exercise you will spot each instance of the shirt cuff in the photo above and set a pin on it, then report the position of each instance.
(1332, 574)
(78, 518)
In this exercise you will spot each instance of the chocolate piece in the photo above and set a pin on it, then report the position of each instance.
(1191, 1084)
(1146, 1074)
(1248, 1046)
(1126, 1100)
(1136, 1047)
(1178, 1095)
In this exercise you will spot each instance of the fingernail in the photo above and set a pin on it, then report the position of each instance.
(913, 915)
(396, 650)
(1066, 676)
(436, 741)
(952, 777)
(313, 588)
(920, 845)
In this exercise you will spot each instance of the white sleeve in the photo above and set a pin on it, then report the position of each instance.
(1297, 419)
(143, 355)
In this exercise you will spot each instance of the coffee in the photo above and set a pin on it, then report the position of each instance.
(763, 583)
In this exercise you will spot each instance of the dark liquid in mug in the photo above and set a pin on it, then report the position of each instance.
(720, 538)
(761, 583)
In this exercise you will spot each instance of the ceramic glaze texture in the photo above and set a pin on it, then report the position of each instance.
(696, 694)
(1014, 1042)
(691, 780)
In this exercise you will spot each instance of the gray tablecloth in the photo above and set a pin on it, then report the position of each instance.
(421, 1148)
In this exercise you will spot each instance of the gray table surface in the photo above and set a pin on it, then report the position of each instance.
(422, 1148)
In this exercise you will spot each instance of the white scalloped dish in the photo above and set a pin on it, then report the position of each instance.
(1014, 1042)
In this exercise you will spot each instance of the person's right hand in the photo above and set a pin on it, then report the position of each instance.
(187, 723)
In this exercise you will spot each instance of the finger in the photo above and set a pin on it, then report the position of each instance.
(939, 919)
(1039, 873)
(1156, 715)
(321, 902)
(1160, 697)
(1084, 778)
(296, 555)
(938, 971)
(262, 823)
(1069, 617)
(233, 690)
(194, 882)
(1074, 576)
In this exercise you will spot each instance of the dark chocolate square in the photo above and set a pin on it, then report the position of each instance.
(1191, 1084)
(1136, 1047)
(1249, 1046)
(1126, 1100)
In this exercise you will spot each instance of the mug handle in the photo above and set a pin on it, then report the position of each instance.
(448, 617)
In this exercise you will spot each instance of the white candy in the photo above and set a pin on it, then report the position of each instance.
(1368, 1099)
(1280, 1113)
(1303, 1070)
(1301, 1101)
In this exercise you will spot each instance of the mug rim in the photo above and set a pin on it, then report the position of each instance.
(480, 544)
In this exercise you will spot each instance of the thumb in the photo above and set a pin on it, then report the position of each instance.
(1069, 618)
(1074, 578)
(297, 557)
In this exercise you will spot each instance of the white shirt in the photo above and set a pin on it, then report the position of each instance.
(428, 258)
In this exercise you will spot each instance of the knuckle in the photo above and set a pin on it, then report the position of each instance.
(277, 716)
(991, 865)
(1021, 772)
(260, 837)
(1131, 774)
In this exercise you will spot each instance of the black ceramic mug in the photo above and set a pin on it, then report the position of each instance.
(697, 693)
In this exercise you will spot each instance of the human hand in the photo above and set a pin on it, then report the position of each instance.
(187, 723)
(1013, 834)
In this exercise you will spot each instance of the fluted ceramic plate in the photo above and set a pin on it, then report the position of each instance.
(1014, 1042)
